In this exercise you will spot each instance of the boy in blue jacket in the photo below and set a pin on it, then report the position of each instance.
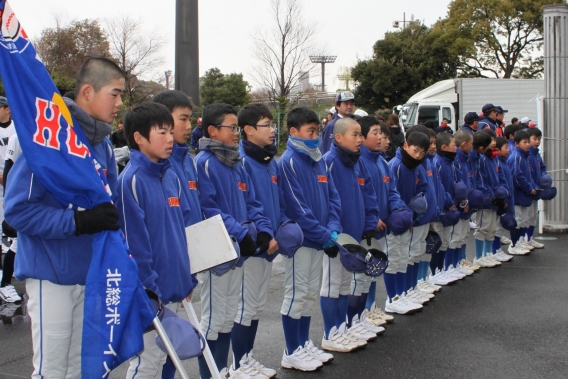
(312, 201)
(359, 220)
(411, 181)
(226, 189)
(257, 151)
(55, 241)
(151, 217)
(538, 169)
(373, 155)
(525, 190)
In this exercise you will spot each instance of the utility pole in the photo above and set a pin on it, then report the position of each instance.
(168, 73)
(187, 49)
(323, 59)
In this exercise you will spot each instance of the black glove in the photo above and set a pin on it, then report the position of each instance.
(332, 251)
(102, 217)
(369, 234)
(247, 246)
(498, 202)
(262, 241)
(8, 230)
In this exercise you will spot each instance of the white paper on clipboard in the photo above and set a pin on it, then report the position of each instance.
(208, 244)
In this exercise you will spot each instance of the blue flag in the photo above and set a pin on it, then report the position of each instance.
(116, 310)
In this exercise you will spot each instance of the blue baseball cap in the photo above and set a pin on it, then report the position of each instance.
(344, 96)
(186, 340)
(500, 109)
(351, 253)
(488, 108)
(3, 102)
(450, 218)
(545, 181)
(475, 199)
(501, 193)
(471, 117)
(508, 221)
(460, 191)
(419, 204)
(377, 260)
(399, 221)
(289, 238)
(548, 193)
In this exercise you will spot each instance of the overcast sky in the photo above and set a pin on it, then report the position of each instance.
(348, 29)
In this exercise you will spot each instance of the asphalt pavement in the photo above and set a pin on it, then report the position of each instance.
(504, 322)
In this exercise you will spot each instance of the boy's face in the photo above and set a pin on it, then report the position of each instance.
(500, 116)
(493, 144)
(104, 104)
(444, 123)
(159, 144)
(523, 145)
(374, 139)
(432, 149)
(228, 132)
(261, 134)
(352, 138)
(414, 151)
(534, 141)
(465, 147)
(306, 131)
(385, 142)
(182, 124)
(504, 151)
(451, 147)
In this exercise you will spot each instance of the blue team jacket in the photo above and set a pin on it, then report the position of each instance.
(355, 189)
(506, 180)
(310, 195)
(151, 209)
(444, 199)
(409, 183)
(537, 165)
(448, 175)
(388, 198)
(48, 247)
(265, 182)
(486, 123)
(432, 180)
(196, 134)
(327, 135)
(229, 192)
(489, 171)
(463, 168)
(522, 177)
(184, 168)
(474, 165)
(468, 129)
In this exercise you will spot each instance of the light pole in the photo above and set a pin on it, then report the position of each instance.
(168, 74)
(323, 59)
(395, 24)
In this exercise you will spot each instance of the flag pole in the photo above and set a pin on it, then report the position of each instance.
(169, 347)
(206, 352)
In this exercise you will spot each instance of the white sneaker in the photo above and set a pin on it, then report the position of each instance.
(8, 309)
(337, 342)
(9, 294)
(424, 287)
(504, 256)
(268, 372)
(415, 297)
(472, 225)
(517, 250)
(370, 326)
(505, 241)
(453, 272)
(524, 244)
(378, 313)
(440, 279)
(535, 244)
(374, 317)
(464, 270)
(411, 304)
(318, 354)
(398, 305)
(482, 262)
(498, 257)
(430, 296)
(301, 360)
(470, 265)
(245, 371)
(358, 331)
(491, 258)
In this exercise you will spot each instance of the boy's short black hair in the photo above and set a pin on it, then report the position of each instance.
(251, 114)
(445, 119)
(500, 142)
(422, 129)
(443, 139)
(521, 135)
(419, 139)
(301, 116)
(143, 118)
(173, 99)
(367, 122)
(214, 114)
(534, 132)
(97, 72)
(490, 132)
(481, 139)
(514, 119)
(385, 130)
(511, 130)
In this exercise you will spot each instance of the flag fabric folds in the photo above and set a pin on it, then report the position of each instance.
(116, 310)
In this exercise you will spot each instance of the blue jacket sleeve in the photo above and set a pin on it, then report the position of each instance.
(27, 210)
(370, 198)
(520, 180)
(297, 208)
(255, 210)
(283, 217)
(209, 202)
(131, 219)
(485, 179)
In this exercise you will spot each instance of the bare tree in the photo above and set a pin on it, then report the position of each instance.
(137, 52)
(283, 50)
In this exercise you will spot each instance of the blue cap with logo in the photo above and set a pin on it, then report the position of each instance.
(3, 102)
(399, 221)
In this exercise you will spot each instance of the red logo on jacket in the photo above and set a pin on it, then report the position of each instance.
(243, 186)
(322, 178)
(173, 201)
(386, 179)
(274, 179)
(361, 181)
(192, 184)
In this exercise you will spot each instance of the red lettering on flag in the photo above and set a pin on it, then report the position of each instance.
(74, 146)
(192, 185)
(173, 201)
(45, 124)
(322, 178)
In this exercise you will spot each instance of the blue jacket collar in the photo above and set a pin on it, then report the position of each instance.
(463, 157)
(468, 129)
(534, 150)
(373, 155)
(524, 153)
(155, 169)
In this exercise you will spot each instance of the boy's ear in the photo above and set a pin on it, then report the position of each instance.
(139, 138)
(405, 146)
(249, 129)
(338, 137)
(85, 92)
(212, 131)
(293, 131)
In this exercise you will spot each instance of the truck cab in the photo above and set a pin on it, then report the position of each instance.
(427, 114)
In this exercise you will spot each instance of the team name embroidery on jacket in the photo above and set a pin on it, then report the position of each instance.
(243, 186)
(192, 184)
(386, 179)
(274, 179)
(417, 180)
(322, 178)
(173, 201)
(361, 181)
(429, 172)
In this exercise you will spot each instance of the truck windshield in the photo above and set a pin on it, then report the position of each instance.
(408, 115)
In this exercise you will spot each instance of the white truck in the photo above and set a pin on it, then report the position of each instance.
(453, 98)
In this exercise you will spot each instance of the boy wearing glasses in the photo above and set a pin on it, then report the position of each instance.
(226, 189)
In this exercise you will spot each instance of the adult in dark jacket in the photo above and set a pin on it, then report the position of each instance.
(344, 102)
(396, 137)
